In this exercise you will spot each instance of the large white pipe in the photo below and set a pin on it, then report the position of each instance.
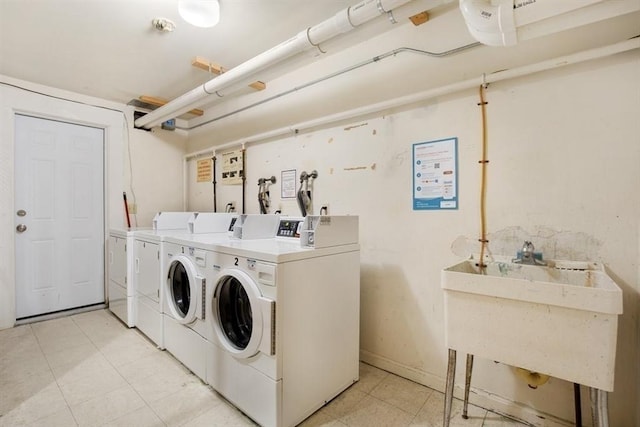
(340, 23)
(497, 23)
(498, 76)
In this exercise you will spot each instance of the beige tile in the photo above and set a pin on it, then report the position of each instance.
(28, 402)
(93, 384)
(100, 326)
(62, 418)
(69, 356)
(58, 327)
(497, 420)
(55, 342)
(372, 412)
(222, 415)
(153, 364)
(321, 419)
(343, 403)
(107, 407)
(17, 369)
(432, 413)
(402, 393)
(15, 393)
(186, 404)
(17, 347)
(90, 365)
(370, 377)
(125, 348)
(164, 383)
(143, 417)
(15, 332)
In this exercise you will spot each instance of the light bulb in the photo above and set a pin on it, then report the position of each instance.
(201, 13)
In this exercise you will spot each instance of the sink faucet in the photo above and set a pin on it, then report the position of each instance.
(527, 255)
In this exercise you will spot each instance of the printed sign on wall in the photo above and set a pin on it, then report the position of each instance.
(204, 169)
(435, 174)
(232, 167)
(288, 184)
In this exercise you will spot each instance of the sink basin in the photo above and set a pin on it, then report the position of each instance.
(559, 320)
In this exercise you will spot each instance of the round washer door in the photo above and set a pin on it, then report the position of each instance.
(243, 319)
(183, 290)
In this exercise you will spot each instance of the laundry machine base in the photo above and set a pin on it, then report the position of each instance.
(254, 393)
(186, 345)
(121, 305)
(149, 320)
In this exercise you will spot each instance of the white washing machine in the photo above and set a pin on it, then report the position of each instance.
(190, 268)
(147, 269)
(285, 324)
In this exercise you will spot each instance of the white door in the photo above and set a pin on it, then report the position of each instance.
(59, 216)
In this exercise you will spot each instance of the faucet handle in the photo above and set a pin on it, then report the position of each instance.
(527, 249)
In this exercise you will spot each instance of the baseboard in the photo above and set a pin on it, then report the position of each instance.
(477, 397)
(62, 313)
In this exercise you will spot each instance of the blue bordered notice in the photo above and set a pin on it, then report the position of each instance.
(435, 174)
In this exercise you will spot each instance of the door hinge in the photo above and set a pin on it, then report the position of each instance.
(158, 254)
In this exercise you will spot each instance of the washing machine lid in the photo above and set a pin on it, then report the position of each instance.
(243, 319)
(185, 290)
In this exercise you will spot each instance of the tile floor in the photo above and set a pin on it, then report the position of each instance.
(90, 370)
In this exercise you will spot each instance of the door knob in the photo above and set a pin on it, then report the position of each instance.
(21, 212)
(21, 228)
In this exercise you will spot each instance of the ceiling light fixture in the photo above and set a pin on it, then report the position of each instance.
(201, 13)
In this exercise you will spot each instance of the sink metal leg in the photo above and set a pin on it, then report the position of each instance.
(448, 393)
(577, 404)
(599, 407)
(467, 385)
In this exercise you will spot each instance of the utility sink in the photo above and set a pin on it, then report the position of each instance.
(560, 319)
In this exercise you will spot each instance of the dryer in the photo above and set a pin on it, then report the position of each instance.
(147, 269)
(285, 323)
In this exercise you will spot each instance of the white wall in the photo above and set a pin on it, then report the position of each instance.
(154, 182)
(155, 159)
(564, 150)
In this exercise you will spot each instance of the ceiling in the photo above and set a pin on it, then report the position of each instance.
(108, 49)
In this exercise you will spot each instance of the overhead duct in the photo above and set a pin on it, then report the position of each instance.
(342, 22)
(506, 22)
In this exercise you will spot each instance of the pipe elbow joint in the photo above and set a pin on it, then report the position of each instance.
(490, 24)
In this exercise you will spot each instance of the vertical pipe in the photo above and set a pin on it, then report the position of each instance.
(593, 394)
(448, 393)
(603, 408)
(215, 202)
(577, 404)
(244, 176)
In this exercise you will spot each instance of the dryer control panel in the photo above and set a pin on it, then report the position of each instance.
(290, 227)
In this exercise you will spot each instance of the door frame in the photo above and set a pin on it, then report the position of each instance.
(105, 230)
(19, 97)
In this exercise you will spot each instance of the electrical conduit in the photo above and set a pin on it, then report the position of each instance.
(576, 58)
